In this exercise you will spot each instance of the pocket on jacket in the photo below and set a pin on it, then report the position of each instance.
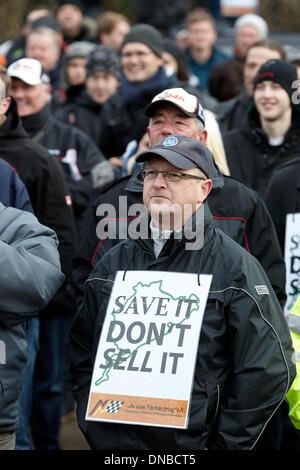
(205, 405)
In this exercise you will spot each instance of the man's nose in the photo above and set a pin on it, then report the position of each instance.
(167, 129)
(159, 180)
(267, 92)
(17, 93)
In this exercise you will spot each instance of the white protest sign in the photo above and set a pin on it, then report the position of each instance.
(292, 260)
(145, 362)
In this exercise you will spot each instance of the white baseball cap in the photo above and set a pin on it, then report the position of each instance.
(29, 71)
(188, 103)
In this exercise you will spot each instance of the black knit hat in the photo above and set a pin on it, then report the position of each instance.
(145, 34)
(278, 71)
(103, 59)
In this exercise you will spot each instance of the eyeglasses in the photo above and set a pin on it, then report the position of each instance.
(173, 176)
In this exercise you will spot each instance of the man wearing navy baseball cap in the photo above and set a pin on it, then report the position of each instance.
(237, 346)
(177, 179)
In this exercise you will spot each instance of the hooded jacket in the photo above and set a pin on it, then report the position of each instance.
(244, 361)
(72, 148)
(81, 111)
(30, 275)
(44, 181)
(251, 158)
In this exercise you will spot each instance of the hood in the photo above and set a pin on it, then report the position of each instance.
(12, 128)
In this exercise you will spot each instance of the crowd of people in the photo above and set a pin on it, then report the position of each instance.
(93, 110)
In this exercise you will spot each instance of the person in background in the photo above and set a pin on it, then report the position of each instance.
(293, 395)
(112, 28)
(283, 195)
(143, 75)
(30, 277)
(201, 51)
(226, 80)
(283, 198)
(270, 137)
(44, 45)
(249, 28)
(73, 151)
(165, 15)
(69, 145)
(73, 74)
(16, 49)
(52, 205)
(69, 14)
(175, 62)
(103, 76)
(232, 114)
(13, 192)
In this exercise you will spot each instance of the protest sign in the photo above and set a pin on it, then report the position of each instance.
(145, 361)
(292, 260)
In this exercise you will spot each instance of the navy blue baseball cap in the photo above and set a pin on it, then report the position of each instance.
(182, 152)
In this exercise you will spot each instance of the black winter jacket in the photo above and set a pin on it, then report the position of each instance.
(283, 195)
(45, 183)
(74, 150)
(82, 112)
(252, 159)
(244, 364)
(236, 209)
(232, 114)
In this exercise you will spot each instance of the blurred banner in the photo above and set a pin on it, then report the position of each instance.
(238, 7)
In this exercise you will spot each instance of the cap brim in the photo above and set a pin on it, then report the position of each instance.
(151, 108)
(24, 79)
(176, 159)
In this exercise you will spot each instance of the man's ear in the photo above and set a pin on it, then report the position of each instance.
(203, 136)
(6, 104)
(206, 189)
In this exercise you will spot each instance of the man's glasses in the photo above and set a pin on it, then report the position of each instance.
(173, 176)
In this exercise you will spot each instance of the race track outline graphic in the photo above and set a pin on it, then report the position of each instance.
(105, 375)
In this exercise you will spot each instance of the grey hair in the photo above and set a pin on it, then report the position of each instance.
(45, 31)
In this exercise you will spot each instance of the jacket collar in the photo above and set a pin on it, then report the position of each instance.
(35, 122)
(194, 231)
(12, 127)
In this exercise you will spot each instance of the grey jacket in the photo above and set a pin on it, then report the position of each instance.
(30, 275)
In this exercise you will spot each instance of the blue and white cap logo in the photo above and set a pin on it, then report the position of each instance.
(201, 113)
(170, 141)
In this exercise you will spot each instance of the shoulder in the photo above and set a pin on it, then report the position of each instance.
(115, 259)
(288, 170)
(13, 221)
(6, 170)
(245, 270)
(219, 56)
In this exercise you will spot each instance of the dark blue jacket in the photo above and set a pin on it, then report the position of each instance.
(12, 190)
